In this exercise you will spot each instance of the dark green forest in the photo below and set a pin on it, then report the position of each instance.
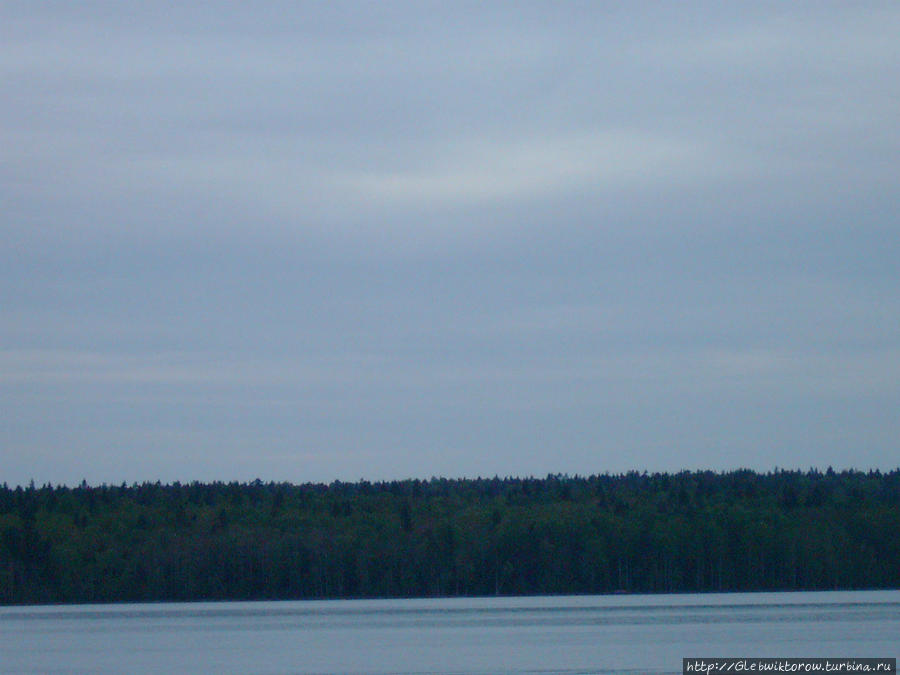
(637, 532)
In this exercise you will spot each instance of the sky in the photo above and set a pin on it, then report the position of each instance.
(323, 241)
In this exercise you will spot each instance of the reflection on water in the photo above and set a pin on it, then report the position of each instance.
(589, 634)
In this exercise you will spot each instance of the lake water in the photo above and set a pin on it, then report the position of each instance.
(584, 634)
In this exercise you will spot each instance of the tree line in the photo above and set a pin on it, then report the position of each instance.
(636, 532)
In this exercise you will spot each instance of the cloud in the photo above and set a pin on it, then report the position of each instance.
(447, 238)
(492, 170)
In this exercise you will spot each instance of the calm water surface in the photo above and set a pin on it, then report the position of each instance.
(584, 634)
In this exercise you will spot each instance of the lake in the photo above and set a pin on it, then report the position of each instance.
(583, 634)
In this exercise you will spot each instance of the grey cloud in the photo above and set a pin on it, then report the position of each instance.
(307, 241)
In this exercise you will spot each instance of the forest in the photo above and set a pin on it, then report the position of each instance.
(630, 533)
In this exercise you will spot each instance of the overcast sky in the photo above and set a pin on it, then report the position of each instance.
(318, 241)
